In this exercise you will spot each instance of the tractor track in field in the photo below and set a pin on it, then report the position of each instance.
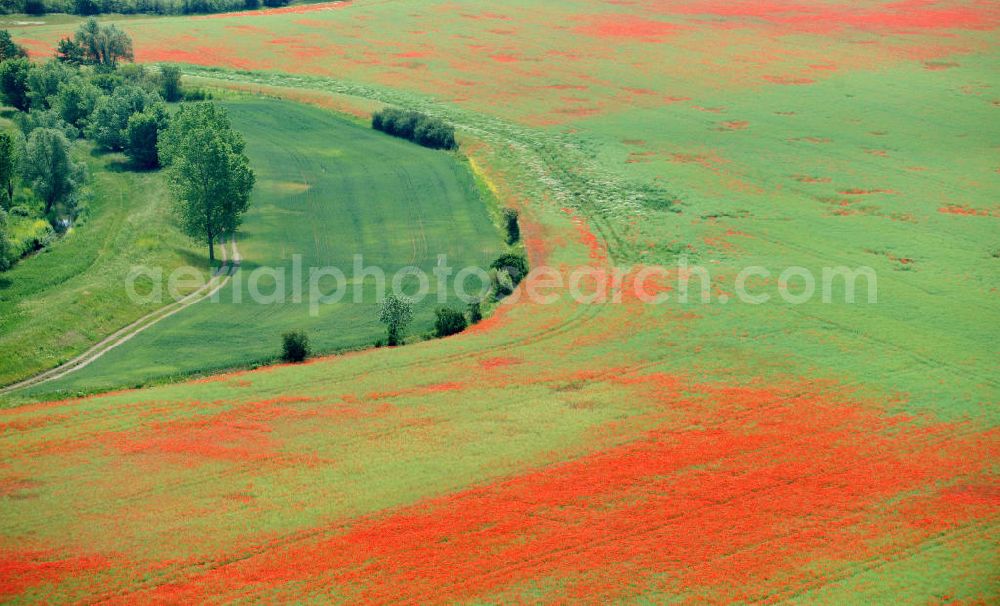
(220, 277)
(880, 560)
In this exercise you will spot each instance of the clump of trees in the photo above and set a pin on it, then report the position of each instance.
(109, 123)
(96, 44)
(294, 347)
(88, 90)
(153, 7)
(414, 126)
(209, 175)
(506, 273)
(449, 322)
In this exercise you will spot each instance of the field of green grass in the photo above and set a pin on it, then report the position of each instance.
(328, 188)
(57, 303)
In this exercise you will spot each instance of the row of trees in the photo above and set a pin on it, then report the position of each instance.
(414, 126)
(126, 7)
(396, 312)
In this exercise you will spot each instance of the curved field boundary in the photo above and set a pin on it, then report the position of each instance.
(220, 277)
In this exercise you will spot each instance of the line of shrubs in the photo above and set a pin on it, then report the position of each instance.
(414, 126)
(127, 7)
(397, 312)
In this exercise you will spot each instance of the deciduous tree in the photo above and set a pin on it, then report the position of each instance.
(10, 157)
(396, 313)
(210, 176)
(170, 84)
(96, 44)
(142, 134)
(14, 83)
(49, 168)
(76, 101)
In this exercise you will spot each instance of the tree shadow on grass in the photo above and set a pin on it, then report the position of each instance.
(118, 162)
(194, 259)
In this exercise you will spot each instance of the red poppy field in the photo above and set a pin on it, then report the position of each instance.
(607, 449)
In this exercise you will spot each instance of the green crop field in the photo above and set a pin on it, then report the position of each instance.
(831, 450)
(328, 189)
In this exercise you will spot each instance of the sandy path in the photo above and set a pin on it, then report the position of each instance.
(221, 276)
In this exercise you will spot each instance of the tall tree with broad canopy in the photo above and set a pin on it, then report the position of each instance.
(10, 159)
(96, 44)
(49, 168)
(210, 176)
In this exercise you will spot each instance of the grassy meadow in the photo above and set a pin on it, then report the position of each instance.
(59, 302)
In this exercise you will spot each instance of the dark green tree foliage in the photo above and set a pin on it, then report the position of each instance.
(68, 51)
(449, 322)
(142, 135)
(416, 127)
(510, 216)
(96, 44)
(44, 82)
(516, 266)
(475, 311)
(170, 84)
(49, 169)
(294, 347)
(107, 81)
(502, 284)
(6, 249)
(10, 158)
(10, 49)
(210, 176)
(396, 313)
(109, 122)
(76, 101)
(47, 118)
(14, 83)
(127, 7)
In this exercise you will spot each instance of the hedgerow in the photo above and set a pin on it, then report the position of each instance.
(414, 126)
